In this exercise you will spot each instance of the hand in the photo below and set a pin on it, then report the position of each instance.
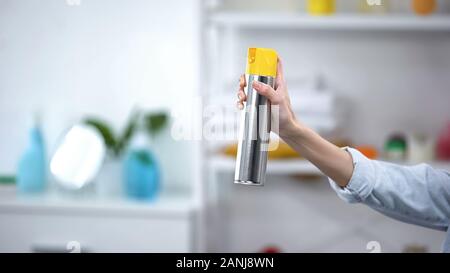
(278, 98)
(331, 160)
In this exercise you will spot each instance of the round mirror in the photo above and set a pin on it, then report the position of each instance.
(79, 157)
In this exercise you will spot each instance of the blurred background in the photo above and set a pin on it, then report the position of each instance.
(156, 82)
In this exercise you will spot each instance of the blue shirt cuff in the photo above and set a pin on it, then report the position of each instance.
(362, 181)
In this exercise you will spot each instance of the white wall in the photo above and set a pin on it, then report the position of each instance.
(100, 58)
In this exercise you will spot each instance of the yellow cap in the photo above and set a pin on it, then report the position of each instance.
(262, 62)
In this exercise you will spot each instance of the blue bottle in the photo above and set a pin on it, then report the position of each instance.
(141, 172)
(31, 174)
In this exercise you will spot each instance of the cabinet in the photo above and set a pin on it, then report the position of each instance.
(47, 224)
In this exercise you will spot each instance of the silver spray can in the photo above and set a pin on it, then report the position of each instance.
(255, 125)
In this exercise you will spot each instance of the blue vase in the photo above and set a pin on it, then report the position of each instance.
(31, 174)
(141, 174)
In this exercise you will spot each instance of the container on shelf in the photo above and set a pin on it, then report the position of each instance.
(141, 169)
(368, 150)
(443, 144)
(321, 7)
(141, 174)
(420, 149)
(424, 7)
(395, 148)
(32, 167)
(427, 7)
(109, 183)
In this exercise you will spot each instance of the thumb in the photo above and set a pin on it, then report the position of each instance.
(280, 73)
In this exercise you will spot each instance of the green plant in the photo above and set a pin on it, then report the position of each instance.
(128, 132)
(155, 122)
(117, 143)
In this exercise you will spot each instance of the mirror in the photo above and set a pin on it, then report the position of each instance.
(79, 157)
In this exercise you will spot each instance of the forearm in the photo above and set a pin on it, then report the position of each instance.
(330, 159)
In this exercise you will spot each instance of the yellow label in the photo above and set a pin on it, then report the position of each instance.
(262, 62)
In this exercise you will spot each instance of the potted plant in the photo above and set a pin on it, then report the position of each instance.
(110, 182)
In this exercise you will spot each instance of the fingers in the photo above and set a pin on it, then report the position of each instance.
(240, 105)
(242, 85)
(242, 82)
(241, 98)
(265, 90)
(241, 94)
(280, 73)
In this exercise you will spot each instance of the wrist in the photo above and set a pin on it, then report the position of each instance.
(293, 129)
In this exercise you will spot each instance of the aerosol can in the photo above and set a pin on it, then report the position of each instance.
(255, 124)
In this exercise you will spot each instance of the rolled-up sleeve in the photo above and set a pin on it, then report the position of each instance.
(415, 194)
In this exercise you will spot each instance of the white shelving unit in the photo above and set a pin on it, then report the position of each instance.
(221, 163)
(224, 24)
(165, 206)
(223, 31)
(96, 225)
(222, 28)
(335, 22)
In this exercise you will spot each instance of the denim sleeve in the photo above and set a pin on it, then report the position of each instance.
(414, 194)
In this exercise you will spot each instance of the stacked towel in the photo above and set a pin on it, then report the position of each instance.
(320, 110)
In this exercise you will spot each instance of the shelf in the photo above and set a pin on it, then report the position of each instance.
(221, 163)
(335, 22)
(164, 206)
(286, 166)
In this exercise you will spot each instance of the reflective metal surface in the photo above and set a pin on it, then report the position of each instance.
(254, 135)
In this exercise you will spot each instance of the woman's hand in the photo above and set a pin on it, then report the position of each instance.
(331, 160)
(278, 98)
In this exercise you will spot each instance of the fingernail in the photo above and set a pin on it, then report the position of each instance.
(256, 84)
(240, 106)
